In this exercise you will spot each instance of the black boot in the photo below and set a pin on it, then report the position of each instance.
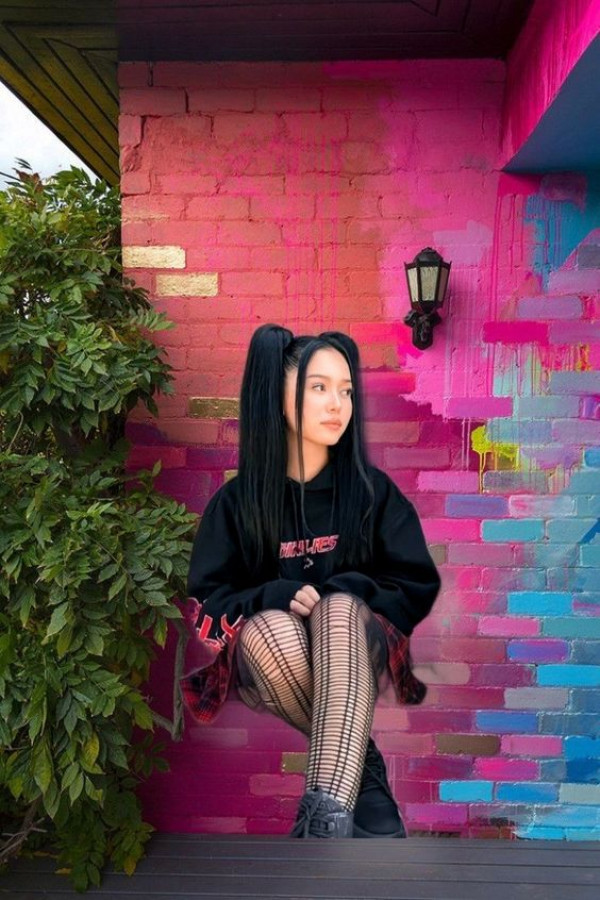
(320, 815)
(376, 814)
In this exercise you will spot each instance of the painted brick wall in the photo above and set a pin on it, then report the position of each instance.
(294, 193)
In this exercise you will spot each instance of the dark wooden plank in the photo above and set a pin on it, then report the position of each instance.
(266, 875)
(421, 840)
(319, 886)
(184, 862)
(202, 895)
(552, 854)
(438, 850)
(358, 869)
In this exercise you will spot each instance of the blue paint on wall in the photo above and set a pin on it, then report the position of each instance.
(561, 226)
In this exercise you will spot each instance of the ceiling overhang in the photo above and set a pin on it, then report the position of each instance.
(567, 137)
(314, 30)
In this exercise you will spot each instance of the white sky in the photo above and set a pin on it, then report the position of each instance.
(23, 136)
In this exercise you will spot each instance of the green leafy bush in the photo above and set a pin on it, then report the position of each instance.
(91, 557)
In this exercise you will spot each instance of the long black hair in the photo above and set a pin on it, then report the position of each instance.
(263, 448)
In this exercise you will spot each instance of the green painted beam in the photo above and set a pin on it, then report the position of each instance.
(60, 59)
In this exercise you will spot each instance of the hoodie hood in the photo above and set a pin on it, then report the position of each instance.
(321, 482)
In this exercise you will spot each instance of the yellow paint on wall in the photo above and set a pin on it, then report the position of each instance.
(582, 362)
(294, 763)
(493, 455)
(167, 257)
(214, 407)
(205, 284)
(439, 553)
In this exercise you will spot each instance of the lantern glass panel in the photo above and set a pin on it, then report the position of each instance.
(429, 279)
(413, 285)
(444, 273)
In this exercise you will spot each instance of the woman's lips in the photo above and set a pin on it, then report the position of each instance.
(335, 426)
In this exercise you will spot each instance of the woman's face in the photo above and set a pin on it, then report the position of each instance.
(327, 399)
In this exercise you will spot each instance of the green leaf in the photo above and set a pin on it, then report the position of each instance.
(154, 598)
(129, 865)
(117, 586)
(58, 620)
(95, 794)
(63, 706)
(94, 643)
(118, 758)
(90, 750)
(108, 707)
(64, 641)
(52, 800)
(160, 632)
(37, 710)
(108, 571)
(143, 716)
(76, 787)
(42, 765)
(70, 775)
(72, 717)
(26, 603)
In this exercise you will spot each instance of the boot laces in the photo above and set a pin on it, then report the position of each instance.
(313, 819)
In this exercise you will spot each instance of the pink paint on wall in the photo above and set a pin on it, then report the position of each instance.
(532, 745)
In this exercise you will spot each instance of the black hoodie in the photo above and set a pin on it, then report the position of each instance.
(401, 582)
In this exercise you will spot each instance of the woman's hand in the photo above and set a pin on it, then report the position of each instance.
(304, 600)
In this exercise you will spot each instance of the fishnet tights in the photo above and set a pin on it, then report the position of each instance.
(326, 689)
(274, 648)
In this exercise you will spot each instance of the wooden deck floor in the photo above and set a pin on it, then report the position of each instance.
(189, 867)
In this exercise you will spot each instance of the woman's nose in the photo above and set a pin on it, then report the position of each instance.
(334, 400)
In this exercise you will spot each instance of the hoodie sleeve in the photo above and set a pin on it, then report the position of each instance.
(402, 582)
(219, 580)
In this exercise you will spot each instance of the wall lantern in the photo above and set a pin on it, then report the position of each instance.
(427, 277)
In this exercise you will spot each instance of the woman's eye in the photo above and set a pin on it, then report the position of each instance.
(319, 386)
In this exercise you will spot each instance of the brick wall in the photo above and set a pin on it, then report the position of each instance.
(294, 193)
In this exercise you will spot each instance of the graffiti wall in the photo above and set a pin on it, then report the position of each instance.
(295, 193)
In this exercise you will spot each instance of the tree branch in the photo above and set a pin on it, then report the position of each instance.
(175, 728)
(15, 841)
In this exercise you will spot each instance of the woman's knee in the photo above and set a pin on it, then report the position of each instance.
(341, 612)
(274, 648)
(339, 605)
(270, 628)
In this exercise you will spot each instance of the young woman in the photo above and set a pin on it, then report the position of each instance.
(311, 571)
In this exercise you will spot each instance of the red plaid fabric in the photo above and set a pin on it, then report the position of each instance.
(205, 690)
(407, 686)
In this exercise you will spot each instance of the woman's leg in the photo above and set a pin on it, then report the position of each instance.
(345, 691)
(274, 648)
